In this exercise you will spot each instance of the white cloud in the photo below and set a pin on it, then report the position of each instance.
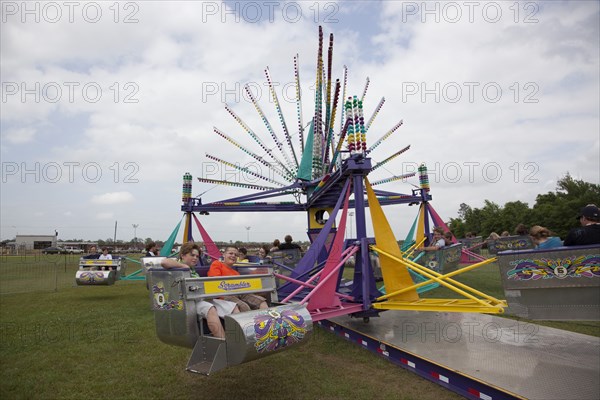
(160, 99)
(113, 198)
(19, 136)
(105, 215)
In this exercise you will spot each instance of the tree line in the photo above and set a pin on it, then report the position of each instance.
(553, 210)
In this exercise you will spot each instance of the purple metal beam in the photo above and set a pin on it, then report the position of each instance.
(364, 281)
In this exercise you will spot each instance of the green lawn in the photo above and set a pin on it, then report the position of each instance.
(21, 274)
(99, 343)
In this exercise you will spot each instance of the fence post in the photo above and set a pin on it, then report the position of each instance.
(56, 277)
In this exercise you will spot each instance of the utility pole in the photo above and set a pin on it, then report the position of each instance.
(115, 237)
(135, 226)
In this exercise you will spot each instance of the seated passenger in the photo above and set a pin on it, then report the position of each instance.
(521, 230)
(448, 239)
(242, 255)
(105, 255)
(276, 244)
(151, 250)
(288, 245)
(205, 259)
(438, 240)
(543, 239)
(493, 236)
(589, 232)
(263, 255)
(93, 254)
(211, 310)
(245, 302)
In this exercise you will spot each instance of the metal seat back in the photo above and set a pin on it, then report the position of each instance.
(555, 284)
(443, 260)
(94, 272)
(516, 242)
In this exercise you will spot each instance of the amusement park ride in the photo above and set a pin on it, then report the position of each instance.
(328, 179)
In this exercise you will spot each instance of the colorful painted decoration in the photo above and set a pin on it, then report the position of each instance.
(243, 169)
(187, 188)
(161, 301)
(275, 330)
(322, 149)
(91, 277)
(385, 136)
(394, 178)
(236, 184)
(299, 102)
(375, 113)
(559, 268)
(390, 158)
(423, 177)
(516, 244)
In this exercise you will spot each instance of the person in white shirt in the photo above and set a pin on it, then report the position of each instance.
(438, 240)
(105, 255)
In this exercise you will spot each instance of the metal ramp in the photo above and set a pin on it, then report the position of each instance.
(482, 356)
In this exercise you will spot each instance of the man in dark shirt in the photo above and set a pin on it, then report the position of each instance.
(93, 254)
(589, 232)
(151, 250)
(288, 244)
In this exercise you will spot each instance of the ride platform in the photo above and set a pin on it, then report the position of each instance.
(481, 356)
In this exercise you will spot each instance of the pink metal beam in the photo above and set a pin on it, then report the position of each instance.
(344, 257)
(211, 247)
(323, 296)
(308, 285)
(470, 254)
(343, 309)
(333, 272)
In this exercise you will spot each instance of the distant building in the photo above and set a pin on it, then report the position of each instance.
(34, 242)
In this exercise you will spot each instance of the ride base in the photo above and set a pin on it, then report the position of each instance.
(481, 356)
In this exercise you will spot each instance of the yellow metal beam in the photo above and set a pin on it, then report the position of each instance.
(471, 304)
(187, 227)
(421, 224)
(395, 276)
(432, 275)
(409, 252)
(443, 305)
(436, 276)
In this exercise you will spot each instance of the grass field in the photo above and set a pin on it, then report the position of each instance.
(99, 343)
(20, 274)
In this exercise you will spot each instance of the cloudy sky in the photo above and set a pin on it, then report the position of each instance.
(106, 105)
